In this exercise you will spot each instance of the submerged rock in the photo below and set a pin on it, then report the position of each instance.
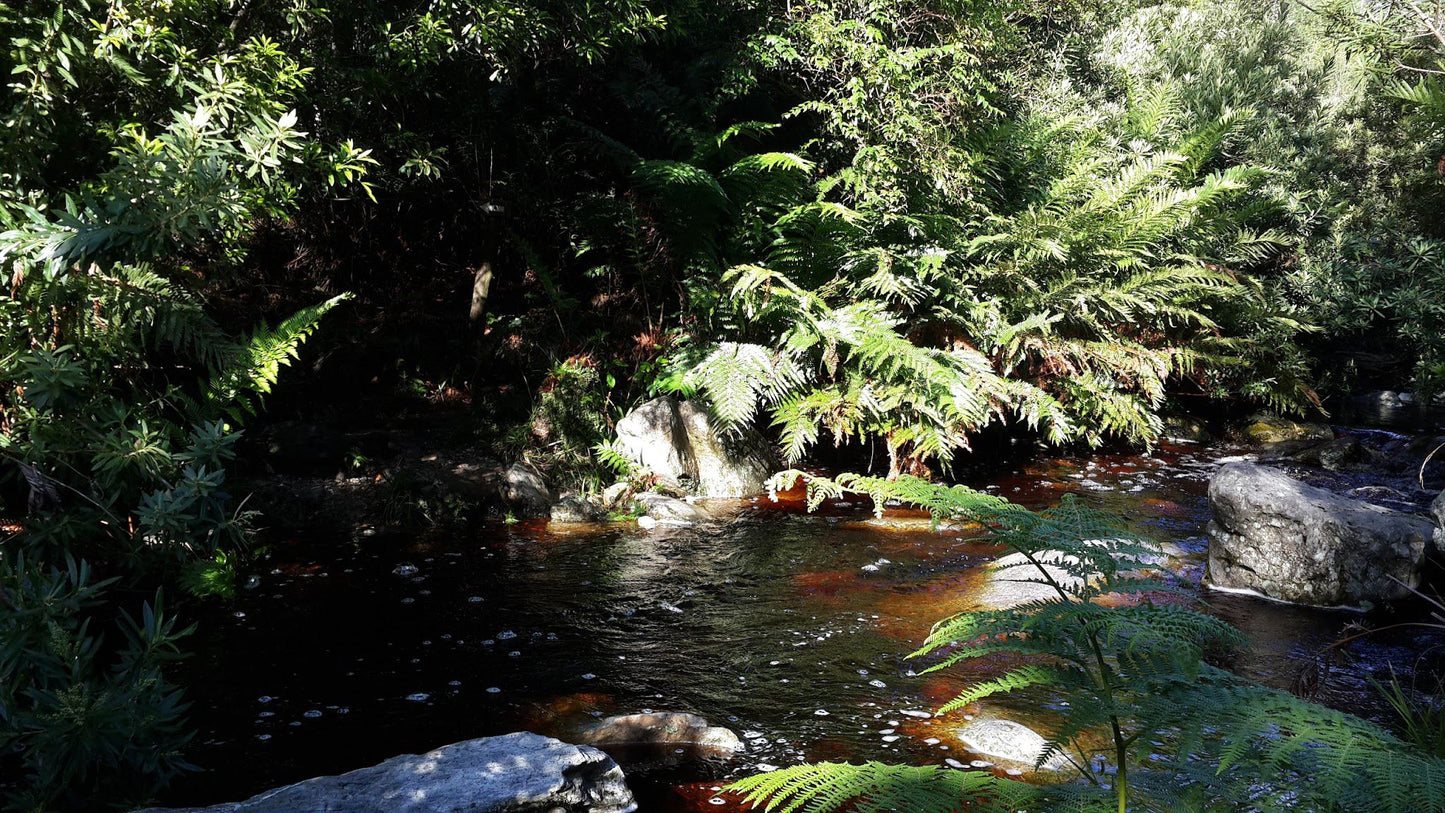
(665, 730)
(1294, 542)
(515, 773)
(677, 443)
(1267, 429)
(1009, 741)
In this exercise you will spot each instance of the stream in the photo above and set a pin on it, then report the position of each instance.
(789, 628)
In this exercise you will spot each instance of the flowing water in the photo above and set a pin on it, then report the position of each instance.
(789, 628)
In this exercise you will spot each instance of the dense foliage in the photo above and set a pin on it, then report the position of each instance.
(846, 220)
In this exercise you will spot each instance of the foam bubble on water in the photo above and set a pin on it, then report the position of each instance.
(494, 690)
(821, 713)
(312, 713)
(418, 697)
(506, 635)
(877, 684)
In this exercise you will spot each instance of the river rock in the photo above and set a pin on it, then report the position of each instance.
(1294, 542)
(1186, 428)
(616, 495)
(664, 730)
(1334, 455)
(515, 773)
(1010, 741)
(576, 508)
(676, 442)
(1264, 429)
(670, 510)
(525, 491)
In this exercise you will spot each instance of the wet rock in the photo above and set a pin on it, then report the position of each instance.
(670, 510)
(664, 730)
(525, 491)
(1265, 429)
(1186, 428)
(577, 508)
(1009, 741)
(1294, 542)
(1335, 455)
(516, 773)
(676, 442)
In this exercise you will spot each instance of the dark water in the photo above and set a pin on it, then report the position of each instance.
(788, 628)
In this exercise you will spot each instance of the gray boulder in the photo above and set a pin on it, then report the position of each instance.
(524, 490)
(1294, 542)
(516, 773)
(678, 444)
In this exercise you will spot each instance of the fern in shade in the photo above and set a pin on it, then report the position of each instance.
(1147, 723)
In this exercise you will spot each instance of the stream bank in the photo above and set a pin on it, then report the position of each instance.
(787, 628)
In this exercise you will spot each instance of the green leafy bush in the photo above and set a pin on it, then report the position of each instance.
(86, 714)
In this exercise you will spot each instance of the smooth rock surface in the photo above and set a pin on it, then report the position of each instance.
(515, 773)
(653, 436)
(724, 466)
(1009, 741)
(575, 508)
(676, 442)
(1294, 542)
(670, 510)
(663, 729)
(525, 491)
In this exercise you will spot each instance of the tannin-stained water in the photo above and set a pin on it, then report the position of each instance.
(789, 628)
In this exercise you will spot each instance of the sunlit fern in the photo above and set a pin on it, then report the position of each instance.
(1180, 734)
